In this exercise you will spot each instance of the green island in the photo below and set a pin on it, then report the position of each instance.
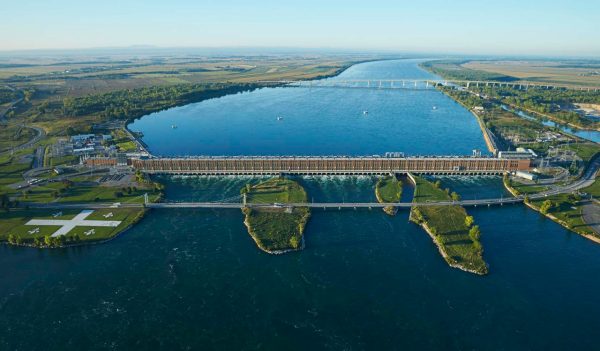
(280, 229)
(450, 227)
(387, 190)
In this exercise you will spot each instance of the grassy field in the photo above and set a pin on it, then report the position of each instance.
(276, 230)
(388, 189)
(13, 223)
(564, 209)
(12, 168)
(593, 189)
(448, 227)
(84, 189)
(14, 135)
(568, 73)
(584, 150)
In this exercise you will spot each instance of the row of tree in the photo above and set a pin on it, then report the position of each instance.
(133, 103)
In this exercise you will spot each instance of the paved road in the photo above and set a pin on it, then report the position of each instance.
(40, 134)
(38, 157)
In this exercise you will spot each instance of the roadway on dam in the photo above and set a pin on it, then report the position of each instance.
(584, 181)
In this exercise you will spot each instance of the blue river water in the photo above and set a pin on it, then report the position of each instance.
(319, 121)
(591, 135)
(194, 279)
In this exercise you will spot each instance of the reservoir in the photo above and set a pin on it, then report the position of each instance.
(320, 121)
(194, 279)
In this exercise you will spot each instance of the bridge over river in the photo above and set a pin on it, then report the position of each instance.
(422, 84)
(584, 181)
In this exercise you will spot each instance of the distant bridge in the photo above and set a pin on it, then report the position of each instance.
(295, 165)
(420, 84)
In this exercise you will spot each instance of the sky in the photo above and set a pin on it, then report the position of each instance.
(499, 27)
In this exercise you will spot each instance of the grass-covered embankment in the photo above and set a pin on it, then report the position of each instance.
(387, 190)
(450, 227)
(280, 229)
(564, 209)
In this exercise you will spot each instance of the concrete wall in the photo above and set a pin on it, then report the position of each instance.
(325, 165)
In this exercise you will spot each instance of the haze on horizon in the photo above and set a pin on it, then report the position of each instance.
(512, 27)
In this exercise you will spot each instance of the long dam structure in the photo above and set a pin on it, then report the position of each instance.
(274, 165)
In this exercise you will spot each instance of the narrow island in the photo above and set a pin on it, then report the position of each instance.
(450, 227)
(387, 190)
(277, 229)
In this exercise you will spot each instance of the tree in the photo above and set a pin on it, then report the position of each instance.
(437, 184)
(469, 221)
(4, 200)
(48, 240)
(37, 242)
(12, 238)
(546, 206)
(295, 242)
(455, 196)
(418, 215)
(474, 233)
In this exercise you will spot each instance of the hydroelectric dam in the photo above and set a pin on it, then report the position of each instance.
(313, 165)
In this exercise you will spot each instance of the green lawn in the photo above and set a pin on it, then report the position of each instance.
(14, 135)
(13, 222)
(526, 189)
(62, 160)
(566, 208)
(448, 226)
(276, 229)
(389, 189)
(584, 150)
(277, 190)
(127, 146)
(82, 191)
(593, 189)
(12, 168)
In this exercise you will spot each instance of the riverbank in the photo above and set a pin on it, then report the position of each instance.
(450, 227)
(281, 229)
(488, 136)
(564, 209)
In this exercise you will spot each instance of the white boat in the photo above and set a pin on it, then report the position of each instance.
(173, 126)
(365, 112)
(434, 107)
(279, 118)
